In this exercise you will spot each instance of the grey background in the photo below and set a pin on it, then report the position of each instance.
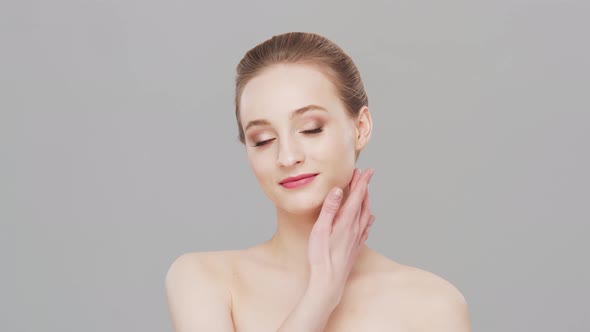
(119, 150)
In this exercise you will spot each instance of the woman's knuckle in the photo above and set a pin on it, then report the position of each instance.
(332, 207)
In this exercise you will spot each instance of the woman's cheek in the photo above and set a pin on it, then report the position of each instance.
(256, 166)
(320, 147)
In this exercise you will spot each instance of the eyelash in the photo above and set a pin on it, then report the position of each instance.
(309, 132)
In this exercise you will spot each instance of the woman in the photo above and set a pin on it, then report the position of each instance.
(303, 117)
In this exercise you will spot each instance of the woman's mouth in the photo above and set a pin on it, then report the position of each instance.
(298, 181)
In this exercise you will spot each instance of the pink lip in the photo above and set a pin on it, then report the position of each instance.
(298, 181)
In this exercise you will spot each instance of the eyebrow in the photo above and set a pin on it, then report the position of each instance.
(295, 113)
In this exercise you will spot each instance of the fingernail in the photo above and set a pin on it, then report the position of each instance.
(336, 193)
(372, 172)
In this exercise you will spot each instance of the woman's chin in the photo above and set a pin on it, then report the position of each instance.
(302, 206)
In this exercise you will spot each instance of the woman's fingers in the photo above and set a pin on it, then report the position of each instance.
(319, 238)
(353, 202)
(337, 236)
(328, 212)
(365, 212)
(355, 175)
(366, 232)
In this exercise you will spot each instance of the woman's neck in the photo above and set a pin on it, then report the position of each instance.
(288, 246)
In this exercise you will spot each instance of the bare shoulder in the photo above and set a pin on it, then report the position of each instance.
(196, 292)
(208, 267)
(210, 262)
(432, 303)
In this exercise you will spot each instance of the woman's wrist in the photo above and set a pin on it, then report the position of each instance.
(324, 291)
(311, 314)
(314, 308)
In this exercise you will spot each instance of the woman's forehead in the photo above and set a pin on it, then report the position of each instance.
(283, 88)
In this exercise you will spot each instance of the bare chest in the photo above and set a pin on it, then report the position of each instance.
(262, 303)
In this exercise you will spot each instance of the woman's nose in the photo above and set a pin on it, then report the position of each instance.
(289, 153)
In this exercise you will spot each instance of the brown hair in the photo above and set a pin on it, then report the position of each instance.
(303, 48)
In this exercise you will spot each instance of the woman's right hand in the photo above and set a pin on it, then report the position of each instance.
(339, 234)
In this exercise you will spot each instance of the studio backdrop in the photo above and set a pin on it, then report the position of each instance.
(119, 151)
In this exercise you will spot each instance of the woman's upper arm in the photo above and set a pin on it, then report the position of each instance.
(197, 301)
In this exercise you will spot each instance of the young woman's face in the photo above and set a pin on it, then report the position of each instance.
(295, 124)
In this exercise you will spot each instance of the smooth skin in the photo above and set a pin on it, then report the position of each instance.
(208, 291)
(315, 273)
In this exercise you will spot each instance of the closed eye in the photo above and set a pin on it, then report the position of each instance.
(261, 143)
(311, 131)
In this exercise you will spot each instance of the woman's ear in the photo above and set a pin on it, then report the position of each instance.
(364, 126)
